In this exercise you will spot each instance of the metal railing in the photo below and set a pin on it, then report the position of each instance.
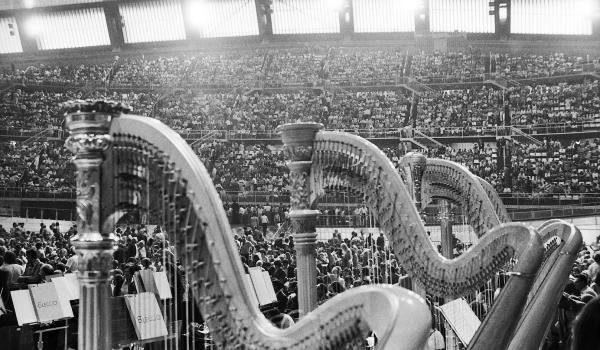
(384, 133)
(342, 198)
(37, 192)
(52, 132)
(212, 135)
(514, 78)
(49, 213)
(521, 137)
(42, 135)
(427, 140)
(550, 199)
(552, 128)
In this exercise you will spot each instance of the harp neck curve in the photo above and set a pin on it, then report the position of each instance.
(231, 311)
(342, 159)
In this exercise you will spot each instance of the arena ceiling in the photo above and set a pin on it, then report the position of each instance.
(31, 25)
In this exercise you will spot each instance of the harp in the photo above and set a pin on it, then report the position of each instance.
(447, 180)
(133, 169)
(338, 160)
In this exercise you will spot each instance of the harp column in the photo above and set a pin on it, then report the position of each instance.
(89, 124)
(445, 217)
(417, 164)
(298, 140)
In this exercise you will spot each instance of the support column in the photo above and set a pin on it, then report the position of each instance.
(114, 24)
(346, 19)
(298, 140)
(421, 16)
(89, 128)
(264, 9)
(28, 42)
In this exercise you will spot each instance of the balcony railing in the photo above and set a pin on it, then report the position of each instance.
(337, 198)
(37, 192)
(387, 133)
(383, 133)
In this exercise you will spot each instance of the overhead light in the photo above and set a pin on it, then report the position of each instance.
(33, 26)
(589, 9)
(196, 13)
(336, 5)
(28, 3)
(411, 6)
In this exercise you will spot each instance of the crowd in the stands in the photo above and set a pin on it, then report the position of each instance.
(238, 169)
(564, 103)
(521, 66)
(470, 66)
(556, 168)
(342, 262)
(261, 168)
(50, 73)
(306, 66)
(245, 168)
(450, 67)
(471, 111)
(37, 166)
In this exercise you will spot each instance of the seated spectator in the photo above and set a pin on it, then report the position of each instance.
(11, 266)
(33, 270)
(586, 326)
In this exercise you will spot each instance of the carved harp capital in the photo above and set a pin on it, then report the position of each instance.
(95, 259)
(298, 139)
(304, 222)
(89, 124)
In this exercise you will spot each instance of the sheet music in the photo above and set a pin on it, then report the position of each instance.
(23, 307)
(248, 282)
(161, 283)
(262, 285)
(145, 314)
(48, 305)
(62, 287)
(148, 281)
(271, 296)
(461, 318)
(73, 284)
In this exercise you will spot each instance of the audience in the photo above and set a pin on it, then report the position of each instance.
(295, 77)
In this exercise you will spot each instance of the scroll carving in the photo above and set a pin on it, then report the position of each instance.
(299, 190)
(298, 152)
(95, 260)
(87, 194)
(86, 143)
(304, 225)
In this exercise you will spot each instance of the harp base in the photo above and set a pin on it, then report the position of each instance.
(95, 263)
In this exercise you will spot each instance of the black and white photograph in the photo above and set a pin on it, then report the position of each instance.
(300, 174)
